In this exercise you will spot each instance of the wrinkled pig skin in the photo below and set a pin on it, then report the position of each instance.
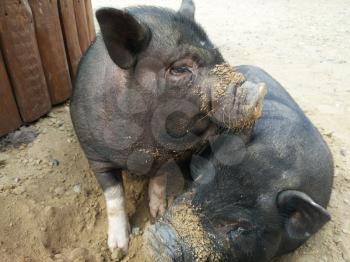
(143, 98)
(253, 200)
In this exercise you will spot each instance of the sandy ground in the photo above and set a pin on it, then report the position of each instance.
(51, 206)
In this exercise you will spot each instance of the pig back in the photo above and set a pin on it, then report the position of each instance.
(286, 147)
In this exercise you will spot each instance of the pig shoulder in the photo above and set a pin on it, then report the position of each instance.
(92, 98)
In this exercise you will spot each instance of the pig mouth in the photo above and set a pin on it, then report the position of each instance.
(179, 125)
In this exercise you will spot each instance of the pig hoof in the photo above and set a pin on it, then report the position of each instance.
(118, 236)
(157, 195)
(117, 240)
(157, 207)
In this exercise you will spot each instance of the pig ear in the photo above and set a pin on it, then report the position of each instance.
(124, 36)
(303, 217)
(187, 9)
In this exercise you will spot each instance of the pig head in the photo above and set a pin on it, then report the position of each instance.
(156, 84)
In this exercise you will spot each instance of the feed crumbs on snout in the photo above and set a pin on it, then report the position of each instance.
(189, 228)
(226, 76)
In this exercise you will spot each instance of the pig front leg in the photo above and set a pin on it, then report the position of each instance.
(118, 223)
(157, 195)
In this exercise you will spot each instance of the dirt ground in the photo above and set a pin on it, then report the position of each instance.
(51, 206)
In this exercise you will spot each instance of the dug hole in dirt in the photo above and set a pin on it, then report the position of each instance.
(52, 208)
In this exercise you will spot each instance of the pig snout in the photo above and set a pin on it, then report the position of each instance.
(161, 243)
(181, 236)
(248, 100)
(239, 106)
(235, 102)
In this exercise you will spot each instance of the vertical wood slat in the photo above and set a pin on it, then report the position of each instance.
(9, 115)
(52, 49)
(23, 59)
(90, 20)
(70, 34)
(82, 24)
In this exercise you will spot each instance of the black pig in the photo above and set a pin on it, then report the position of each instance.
(144, 96)
(251, 200)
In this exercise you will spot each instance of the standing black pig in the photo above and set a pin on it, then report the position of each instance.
(251, 201)
(144, 96)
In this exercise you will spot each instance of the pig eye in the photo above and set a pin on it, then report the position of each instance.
(181, 73)
(234, 233)
(239, 230)
(178, 70)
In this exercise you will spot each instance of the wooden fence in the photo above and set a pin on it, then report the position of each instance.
(41, 42)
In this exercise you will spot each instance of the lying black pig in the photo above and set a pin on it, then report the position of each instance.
(148, 91)
(251, 201)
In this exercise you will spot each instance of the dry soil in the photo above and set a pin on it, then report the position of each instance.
(51, 206)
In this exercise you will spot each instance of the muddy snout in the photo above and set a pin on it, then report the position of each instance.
(180, 236)
(248, 99)
(161, 243)
(235, 102)
(240, 105)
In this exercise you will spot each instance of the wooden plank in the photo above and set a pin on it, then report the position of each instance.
(82, 25)
(90, 20)
(9, 115)
(52, 50)
(21, 55)
(70, 34)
